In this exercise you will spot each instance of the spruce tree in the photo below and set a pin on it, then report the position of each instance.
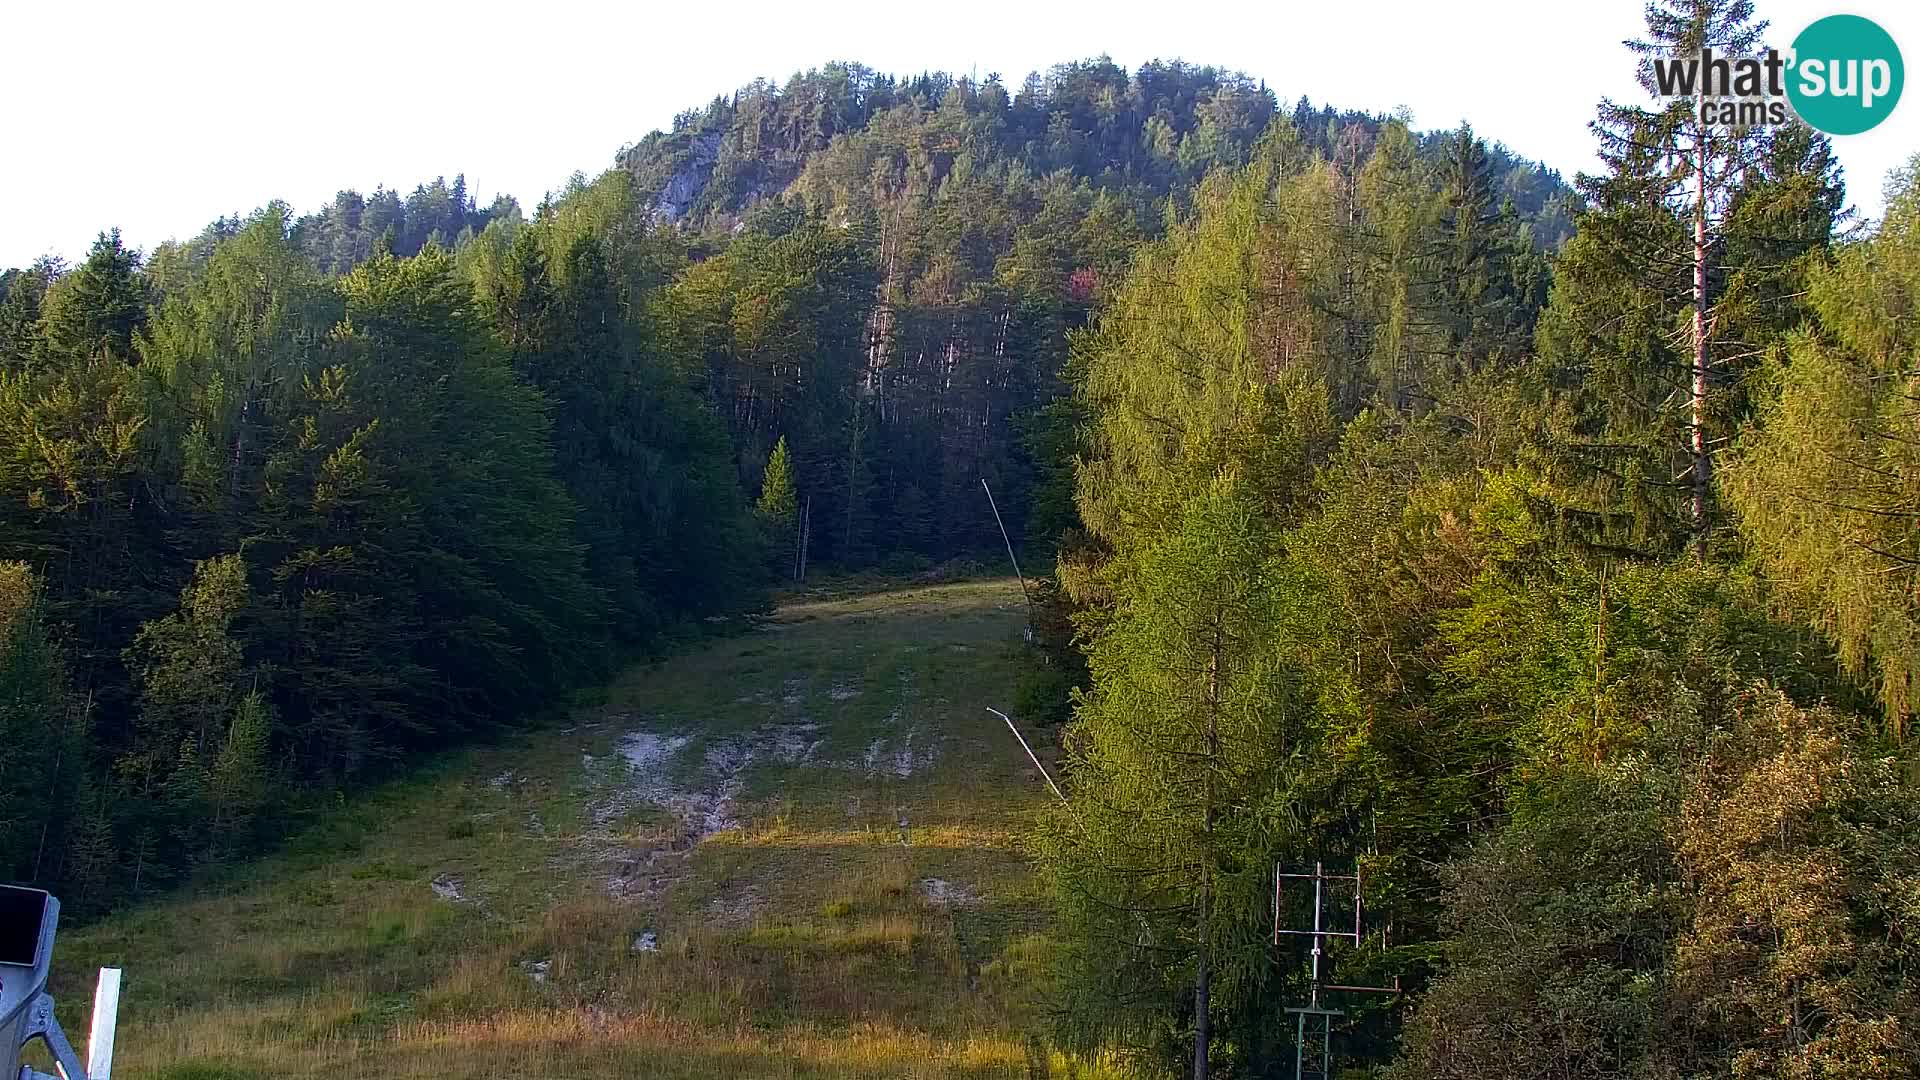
(21, 295)
(98, 307)
(1650, 361)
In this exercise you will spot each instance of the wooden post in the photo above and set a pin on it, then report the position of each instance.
(806, 537)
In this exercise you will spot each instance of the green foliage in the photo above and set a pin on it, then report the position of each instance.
(1495, 689)
(777, 502)
(22, 292)
(1616, 339)
(1191, 370)
(1720, 903)
(190, 672)
(1365, 482)
(1236, 348)
(1189, 764)
(666, 530)
(44, 736)
(1824, 486)
(356, 488)
(98, 308)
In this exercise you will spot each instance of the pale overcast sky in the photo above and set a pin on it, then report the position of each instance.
(158, 117)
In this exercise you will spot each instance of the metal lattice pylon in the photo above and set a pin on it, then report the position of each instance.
(1313, 1043)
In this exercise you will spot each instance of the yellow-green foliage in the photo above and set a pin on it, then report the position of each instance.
(1828, 486)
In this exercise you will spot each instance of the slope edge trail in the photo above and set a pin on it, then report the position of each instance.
(795, 852)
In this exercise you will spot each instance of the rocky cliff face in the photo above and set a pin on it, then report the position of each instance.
(684, 186)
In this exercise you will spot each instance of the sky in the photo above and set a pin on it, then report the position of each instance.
(159, 117)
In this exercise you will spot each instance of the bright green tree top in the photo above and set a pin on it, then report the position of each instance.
(777, 499)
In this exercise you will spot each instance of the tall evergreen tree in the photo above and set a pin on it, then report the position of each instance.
(777, 497)
(1652, 364)
(1181, 766)
(98, 307)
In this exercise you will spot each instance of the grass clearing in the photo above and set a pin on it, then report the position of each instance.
(794, 853)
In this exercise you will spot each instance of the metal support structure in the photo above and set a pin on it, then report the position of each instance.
(1319, 933)
(1310, 1061)
(1313, 1022)
(29, 919)
(1011, 557)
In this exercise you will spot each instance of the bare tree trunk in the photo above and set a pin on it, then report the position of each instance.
(1202, 988)
(1202, 1024)
(1697, 436)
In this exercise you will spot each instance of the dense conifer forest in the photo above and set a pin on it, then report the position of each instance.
(1383, 518)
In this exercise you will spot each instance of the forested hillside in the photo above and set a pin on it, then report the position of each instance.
(1545, 552)
(1574, 608)
(307, 493)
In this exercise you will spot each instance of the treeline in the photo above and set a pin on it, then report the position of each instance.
(1394, 558)
(265, 529)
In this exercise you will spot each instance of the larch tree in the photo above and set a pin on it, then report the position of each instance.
(1825, 485)
(1207, 404)
(778, 500)
(1180, 763)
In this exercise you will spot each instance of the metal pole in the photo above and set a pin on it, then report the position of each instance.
(1030, 754)
(1299, 1046)
(106, 1010)
(1315, 996)
(1010, 556)
(1358, 877)
(1276, 903)
(806, 537)
(1326, 1048)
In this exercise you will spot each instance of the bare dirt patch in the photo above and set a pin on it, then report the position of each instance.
(701, 801)
(943, 893)
(896, 754)
(449, 887)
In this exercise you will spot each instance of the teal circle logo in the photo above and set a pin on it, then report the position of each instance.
(1845, 75)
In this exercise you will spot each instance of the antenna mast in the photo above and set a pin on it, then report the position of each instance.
(1315, 1019)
